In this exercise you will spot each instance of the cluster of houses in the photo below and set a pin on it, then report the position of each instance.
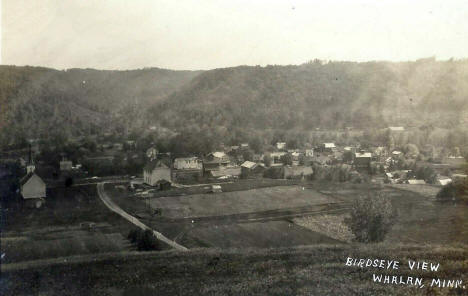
(282, 163)
(230, 163)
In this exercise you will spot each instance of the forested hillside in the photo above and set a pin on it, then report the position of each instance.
(36, 102)
(229, 105)
(331, 95)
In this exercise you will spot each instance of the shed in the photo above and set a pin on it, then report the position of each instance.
(216, 189)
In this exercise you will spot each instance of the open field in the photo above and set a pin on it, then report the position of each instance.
(312, 270)
(421, 219)
(429, 191)
(229, 203)
(62, 228)
(272, 234)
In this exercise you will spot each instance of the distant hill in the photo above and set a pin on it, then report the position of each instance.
(39, 102)
(326, 95)
(35, 101)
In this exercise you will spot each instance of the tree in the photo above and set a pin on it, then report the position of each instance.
(247, 155)
(286, 159)
(347, 156)
(455, 191)
(371, 218)
(144, 240)
(267, 160)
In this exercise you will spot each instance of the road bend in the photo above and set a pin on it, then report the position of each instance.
(115, 208)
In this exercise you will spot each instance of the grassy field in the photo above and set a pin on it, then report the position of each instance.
(421, 219)
(60, 228)
(271, 234)
(229, 203)
(317, 270)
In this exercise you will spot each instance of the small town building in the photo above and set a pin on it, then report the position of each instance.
(362, 159)
(188, 163)
(215, 161)
(32, 187)
(416, 182)
(396, 128)
(459, 177)
(257, 157)
(251, 169)
(309, 152)
(164, 184)
(226, 173)
(297, 172)
(216, 189)
(397, 154)
(328, 147)
(276, 156)
(155, 171)
(281, 145)
(187, 169)
(443, 181)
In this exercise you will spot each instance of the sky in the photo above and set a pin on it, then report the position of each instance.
(207, 34)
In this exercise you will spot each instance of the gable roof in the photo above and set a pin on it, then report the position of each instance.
(416, 182)
(186, 158)
(28, 177)
(329, 145)
(155, 164)
(363, 155)
(249, 164)
(396, 128)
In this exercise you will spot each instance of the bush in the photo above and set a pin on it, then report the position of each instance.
(133, 235)
(455, 191)
(371, 218)
(144, 240)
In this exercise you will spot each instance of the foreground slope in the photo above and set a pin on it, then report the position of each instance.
(318, 270)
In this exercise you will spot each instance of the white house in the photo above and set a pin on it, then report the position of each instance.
(187, 163)
(309, 152)
(156, 171)
(281, 145)
(396, 128)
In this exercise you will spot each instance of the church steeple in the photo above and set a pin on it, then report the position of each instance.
(30, 168)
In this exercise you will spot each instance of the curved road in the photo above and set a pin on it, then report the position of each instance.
(115, 208)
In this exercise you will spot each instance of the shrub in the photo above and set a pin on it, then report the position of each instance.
(147, 241)
(133, 235)
(371, 218)
(144, 240)
(456, 191)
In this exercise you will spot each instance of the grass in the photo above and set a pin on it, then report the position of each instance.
(331, 225)
(317, 270)
(229, 203)
(55, 230)
(271, 234)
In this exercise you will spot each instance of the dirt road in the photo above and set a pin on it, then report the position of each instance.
(115, 208)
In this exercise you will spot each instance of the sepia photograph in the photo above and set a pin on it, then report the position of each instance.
(233, 147)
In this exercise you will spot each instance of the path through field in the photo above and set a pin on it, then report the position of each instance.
(115, 208)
